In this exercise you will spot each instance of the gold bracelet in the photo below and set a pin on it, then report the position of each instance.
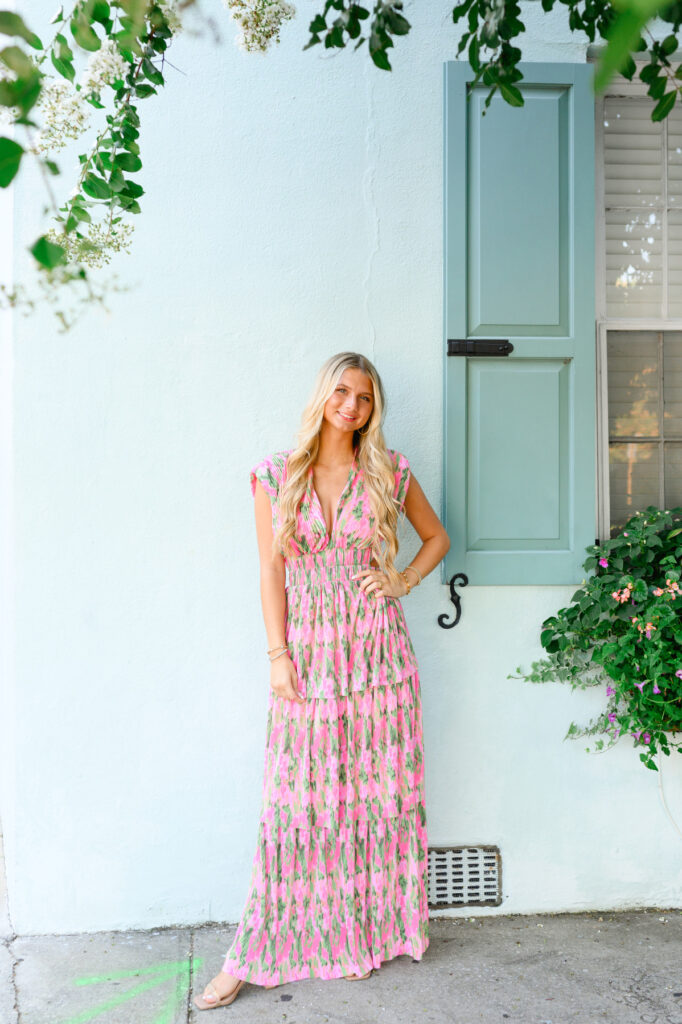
(407, 583)
(414, 569)
(278, 648)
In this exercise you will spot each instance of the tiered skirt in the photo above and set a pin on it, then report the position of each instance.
(338, 883)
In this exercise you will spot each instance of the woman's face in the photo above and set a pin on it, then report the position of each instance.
(351, 402)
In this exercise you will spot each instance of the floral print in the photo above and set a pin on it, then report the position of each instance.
(338, 883)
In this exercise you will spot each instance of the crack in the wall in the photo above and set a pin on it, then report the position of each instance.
(369, 195)
(8, 943)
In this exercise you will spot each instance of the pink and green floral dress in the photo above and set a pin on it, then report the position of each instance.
(338, 883)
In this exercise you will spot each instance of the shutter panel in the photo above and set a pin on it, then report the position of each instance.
(519, 447)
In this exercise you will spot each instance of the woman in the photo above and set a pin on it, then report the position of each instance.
(339, 876)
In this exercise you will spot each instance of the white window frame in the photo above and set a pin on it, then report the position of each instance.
(603, 324)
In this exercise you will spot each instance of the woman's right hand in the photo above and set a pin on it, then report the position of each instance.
(284, 679)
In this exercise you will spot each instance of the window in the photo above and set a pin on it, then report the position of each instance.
(638, 304)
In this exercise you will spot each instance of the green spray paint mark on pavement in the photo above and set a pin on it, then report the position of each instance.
(157, 976)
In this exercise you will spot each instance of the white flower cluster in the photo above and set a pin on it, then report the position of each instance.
(171, 14)
(65, 115)
(96, 246)
(260, 22)
(104, 67)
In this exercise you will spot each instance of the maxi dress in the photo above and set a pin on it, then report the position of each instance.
(339, 877)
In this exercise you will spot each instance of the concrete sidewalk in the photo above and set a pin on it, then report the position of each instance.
(621, 967)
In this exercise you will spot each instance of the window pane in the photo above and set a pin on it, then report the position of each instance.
(634, 475)
(672, 384)
(633, 381)
(675, 263)
(673, 475)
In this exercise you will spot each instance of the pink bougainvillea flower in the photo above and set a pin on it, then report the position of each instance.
(646, 738)
(641, 686)
(603, 562)
(679, 673)
(637, 733)
(612, 716)
(610, 690)
(656, 687)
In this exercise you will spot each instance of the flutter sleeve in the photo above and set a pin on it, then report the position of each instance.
(265, 472)
(269, 472)
(402, 478)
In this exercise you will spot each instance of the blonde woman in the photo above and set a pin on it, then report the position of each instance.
(338, 884)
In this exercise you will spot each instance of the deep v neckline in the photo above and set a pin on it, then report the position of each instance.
(329, 531)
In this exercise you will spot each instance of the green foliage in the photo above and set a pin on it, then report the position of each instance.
(387, 21)
(137, 32)
(624, 628)
(490, 26)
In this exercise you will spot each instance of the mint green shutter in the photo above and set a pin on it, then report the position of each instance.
(519, 453)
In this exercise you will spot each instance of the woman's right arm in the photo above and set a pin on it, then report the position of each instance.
(283, 675)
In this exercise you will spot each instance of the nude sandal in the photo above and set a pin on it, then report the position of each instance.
(220, 1001)
(357, 977)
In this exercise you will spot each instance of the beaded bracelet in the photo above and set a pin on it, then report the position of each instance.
(275, 656)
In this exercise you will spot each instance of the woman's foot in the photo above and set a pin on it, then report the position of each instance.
(219, 990)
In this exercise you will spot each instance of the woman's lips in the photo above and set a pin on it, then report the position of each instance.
(349, 419)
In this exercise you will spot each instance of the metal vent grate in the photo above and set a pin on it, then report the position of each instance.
(463, 876)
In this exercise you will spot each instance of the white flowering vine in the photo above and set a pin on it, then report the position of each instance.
(260, 22)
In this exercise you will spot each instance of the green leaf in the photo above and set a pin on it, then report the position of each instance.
(12, 25)
(511, 94)
(380, 58)
(64, 68)
(151, 72)
(17, 61)
(396, 23)
(127, 161)
(664, 106)
(116, 180)
(47, 253)
(100, 11)
(96, 187)
(81, 214)
(10, 158)
(84, 34)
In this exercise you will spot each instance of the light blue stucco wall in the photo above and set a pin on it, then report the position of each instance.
(293, 209)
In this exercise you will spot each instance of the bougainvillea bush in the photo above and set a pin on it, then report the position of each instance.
(623, 629)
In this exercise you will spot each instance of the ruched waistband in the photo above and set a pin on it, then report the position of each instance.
(330, 564)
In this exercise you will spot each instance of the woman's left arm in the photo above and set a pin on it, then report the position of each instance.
(435, 541)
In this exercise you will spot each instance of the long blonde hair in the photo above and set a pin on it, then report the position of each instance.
(373, 459)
